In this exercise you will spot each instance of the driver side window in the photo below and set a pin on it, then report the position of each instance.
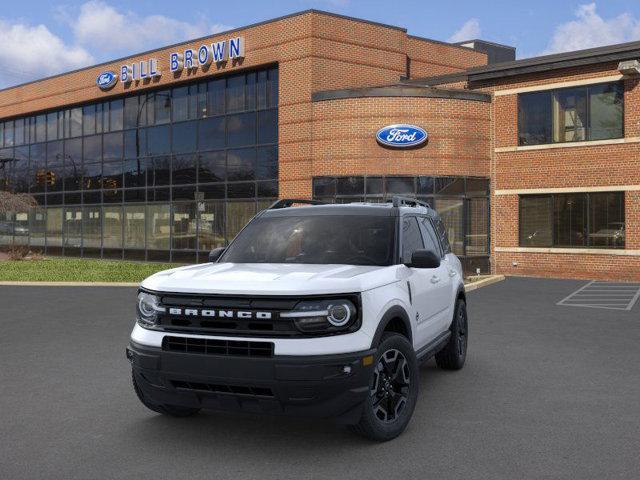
(411, 238)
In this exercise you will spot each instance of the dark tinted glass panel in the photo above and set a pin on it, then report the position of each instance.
(272, 92)
(425, 185)
(161, 171)
(212, 167)
(400, 185)
(250, 91)
(212, 191)
(135, 195)
(536, 221)
(112, 196)
(449, 186)
(606, 111)
(135, 172)
(241, 164)
(112, 174)
(92, 176)
(477, 186)
(75, 122)
(55, 165)
(374, 186)
(183, 193)
(570, 218)
(241, 190)
(89, 120)
(52, 126)
(534, 118)
(267, 168)
(116, 108)
(21, 169)
(268, 126)
(235, 93)
(92, 149)
(102, 117)
(92, 197)
(607, 220)
(158, 195)
(211, 133)
(135, 143)
(112, 146)
(216, 97)
(324, 187)
(241, 129)
(350, 186)
(162, 107)
(184, 169)
(158, 140)
(261, 90)
(184, 137)
(72, 198)
(268, 189)
(131, 112)
(180, 103)
(429, 236)
(41, 129)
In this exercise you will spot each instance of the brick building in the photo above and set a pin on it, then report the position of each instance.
(166, 154)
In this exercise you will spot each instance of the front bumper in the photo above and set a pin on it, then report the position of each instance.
(317, 386)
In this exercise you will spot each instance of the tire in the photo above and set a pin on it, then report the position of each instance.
(454, 354)
(170, 410)
(393, 390)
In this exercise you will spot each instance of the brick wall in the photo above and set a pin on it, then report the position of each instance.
(615, 164)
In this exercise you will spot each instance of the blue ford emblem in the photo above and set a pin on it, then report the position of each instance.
(106, 80)
(401, 136)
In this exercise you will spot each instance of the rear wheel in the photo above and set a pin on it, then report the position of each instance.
(453, 355)
(393, 390)
(171, 410)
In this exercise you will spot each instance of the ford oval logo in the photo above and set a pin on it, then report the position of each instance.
(106, 80)
(401, 136)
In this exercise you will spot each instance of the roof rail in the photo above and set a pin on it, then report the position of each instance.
(408, 201)
(288, 202)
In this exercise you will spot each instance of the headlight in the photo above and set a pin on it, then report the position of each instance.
(148, 307)
(323, 316)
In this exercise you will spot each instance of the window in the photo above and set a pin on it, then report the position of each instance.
(593, 112)
(574, 220)
(452, 213)
(429, 236)
(411, 238)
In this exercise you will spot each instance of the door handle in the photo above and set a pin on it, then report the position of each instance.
(452, 273)
(435, 279)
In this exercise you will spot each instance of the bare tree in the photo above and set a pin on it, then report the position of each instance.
(16, 202)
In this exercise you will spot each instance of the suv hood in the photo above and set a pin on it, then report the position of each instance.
(270, 279)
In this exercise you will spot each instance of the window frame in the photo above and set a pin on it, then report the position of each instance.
(552, 93)
(553, 236)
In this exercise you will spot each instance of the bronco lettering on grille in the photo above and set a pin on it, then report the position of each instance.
(241, 314)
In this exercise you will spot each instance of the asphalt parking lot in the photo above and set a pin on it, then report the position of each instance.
(548, 392)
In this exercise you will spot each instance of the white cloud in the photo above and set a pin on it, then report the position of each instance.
(591, 30)
(104, 29)
(28, 52)
(469, 31)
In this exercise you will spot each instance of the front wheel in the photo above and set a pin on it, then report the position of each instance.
(393, 390)
(453, 355)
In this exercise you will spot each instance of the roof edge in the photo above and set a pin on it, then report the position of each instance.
(400, 91)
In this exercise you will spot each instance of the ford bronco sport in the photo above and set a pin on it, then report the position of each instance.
(320, 310)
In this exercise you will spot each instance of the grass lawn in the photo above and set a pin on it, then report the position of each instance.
(78, 270)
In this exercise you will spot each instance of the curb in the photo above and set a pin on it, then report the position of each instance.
(69, 284)
(484, 282)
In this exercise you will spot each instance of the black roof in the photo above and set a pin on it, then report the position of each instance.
(590, 56)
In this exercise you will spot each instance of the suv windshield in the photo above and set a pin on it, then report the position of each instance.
(323, 239)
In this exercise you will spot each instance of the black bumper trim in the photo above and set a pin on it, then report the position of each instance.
(316, 386)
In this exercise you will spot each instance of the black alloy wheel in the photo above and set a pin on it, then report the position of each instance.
(454, 354)
(391, 383)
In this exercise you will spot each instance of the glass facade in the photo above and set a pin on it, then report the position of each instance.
(573, 220)
(462, 202)
(161, 175)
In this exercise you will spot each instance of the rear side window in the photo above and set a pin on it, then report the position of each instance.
(429, 236)
(411, 238)
(442, 234)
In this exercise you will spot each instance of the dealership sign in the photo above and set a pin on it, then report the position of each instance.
(189, 59)
(106, 80)
(401, 136)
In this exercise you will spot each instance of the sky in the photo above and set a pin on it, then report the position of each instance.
(39, 38)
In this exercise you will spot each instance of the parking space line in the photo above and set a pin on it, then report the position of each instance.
(595, 294)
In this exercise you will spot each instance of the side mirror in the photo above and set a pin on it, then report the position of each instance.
(215, 254)
(424, 259)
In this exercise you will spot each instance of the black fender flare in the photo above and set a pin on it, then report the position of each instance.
(394, 312)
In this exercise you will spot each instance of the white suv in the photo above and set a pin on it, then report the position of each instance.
(321, 310)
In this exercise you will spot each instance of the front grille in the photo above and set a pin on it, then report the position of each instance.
(228, 389)
(208, 346)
